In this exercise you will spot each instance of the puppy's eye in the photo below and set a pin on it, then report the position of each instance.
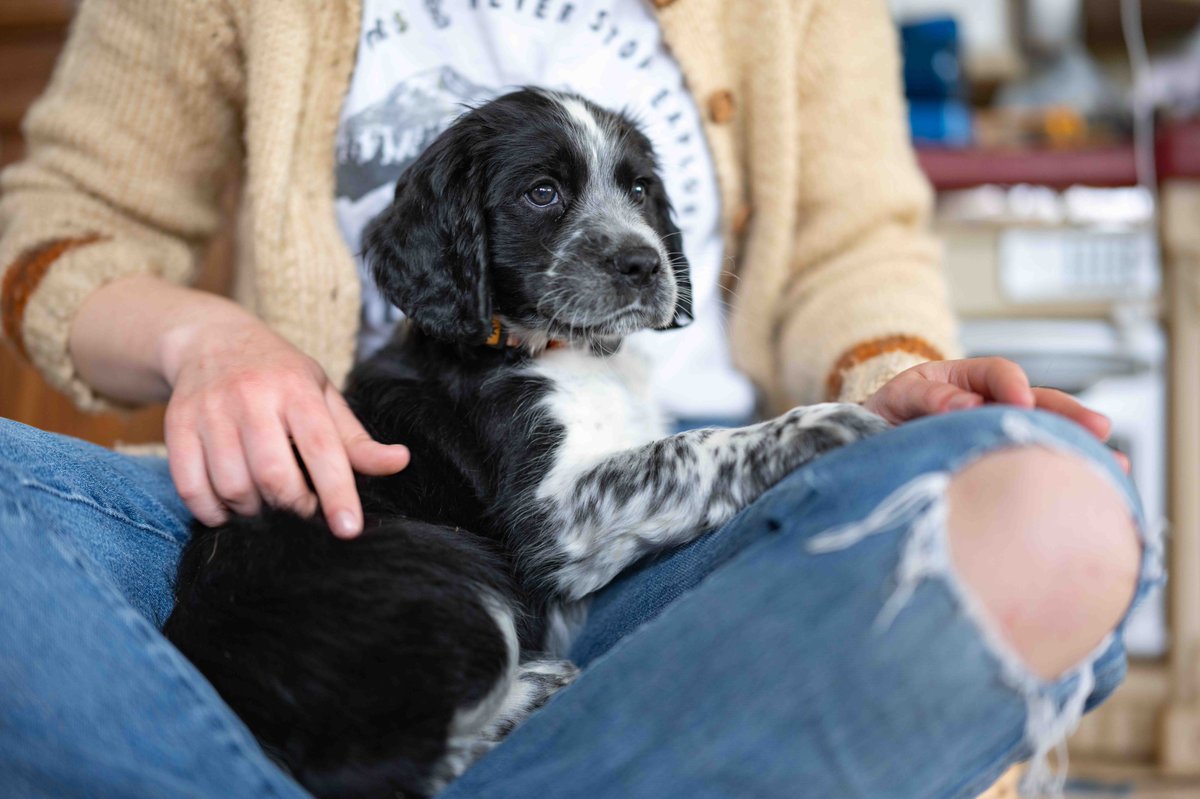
(639, 190)
(542, 195)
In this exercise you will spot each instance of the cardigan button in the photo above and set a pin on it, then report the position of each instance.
(721, 106)
(741, 220)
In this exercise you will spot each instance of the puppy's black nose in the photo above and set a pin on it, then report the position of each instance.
(637, 265)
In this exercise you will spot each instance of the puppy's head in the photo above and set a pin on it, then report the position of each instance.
(539, 208)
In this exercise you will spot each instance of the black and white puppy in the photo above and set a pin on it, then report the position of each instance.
(540, 469)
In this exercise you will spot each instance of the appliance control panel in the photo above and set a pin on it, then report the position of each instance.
(1072, 264)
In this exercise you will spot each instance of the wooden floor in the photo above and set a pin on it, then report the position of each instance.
(1183, 792)
(1134, 790)
(1097, 781)
(1100, 780)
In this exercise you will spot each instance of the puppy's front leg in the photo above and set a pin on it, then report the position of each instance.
(607, 515)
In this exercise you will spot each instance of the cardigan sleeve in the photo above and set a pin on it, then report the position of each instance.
(866, 298)
(128, 150)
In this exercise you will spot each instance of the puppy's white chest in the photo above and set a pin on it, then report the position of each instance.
(604, 404)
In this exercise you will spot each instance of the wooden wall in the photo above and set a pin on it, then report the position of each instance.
(31, 34)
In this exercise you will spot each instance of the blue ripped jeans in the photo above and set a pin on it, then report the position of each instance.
(818, 645)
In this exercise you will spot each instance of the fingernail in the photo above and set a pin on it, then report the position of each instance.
(345, 525)
(962, 402)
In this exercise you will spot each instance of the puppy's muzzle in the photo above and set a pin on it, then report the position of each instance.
(636, 266)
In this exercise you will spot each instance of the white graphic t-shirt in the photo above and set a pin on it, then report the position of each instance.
(421, 62)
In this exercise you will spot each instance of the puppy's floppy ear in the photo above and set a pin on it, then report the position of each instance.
(428, 249)
(661, 219)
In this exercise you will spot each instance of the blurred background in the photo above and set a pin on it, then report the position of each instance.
(1063, 137)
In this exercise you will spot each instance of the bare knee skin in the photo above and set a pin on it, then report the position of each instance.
(1047, 545)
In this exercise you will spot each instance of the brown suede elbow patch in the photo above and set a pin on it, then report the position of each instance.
(867, 350)
(22, 278)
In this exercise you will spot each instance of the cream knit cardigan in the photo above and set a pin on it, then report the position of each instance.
(835, 284)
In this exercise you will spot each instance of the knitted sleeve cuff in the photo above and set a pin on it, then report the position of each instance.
(21, 279)
(44, 287)
(865, 368)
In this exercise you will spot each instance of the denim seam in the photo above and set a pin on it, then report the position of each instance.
(161, 510)
(68, 450)
(107, 511)
(161, 652)
(975, 785)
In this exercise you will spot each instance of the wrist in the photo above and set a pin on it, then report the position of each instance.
(203, 324)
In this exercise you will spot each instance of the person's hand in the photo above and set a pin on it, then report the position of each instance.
(241, 397)
(941, 386)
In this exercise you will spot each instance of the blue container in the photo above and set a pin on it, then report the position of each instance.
(941, 123)
(932, 66)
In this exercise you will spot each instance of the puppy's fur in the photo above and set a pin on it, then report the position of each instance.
(390, 662)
